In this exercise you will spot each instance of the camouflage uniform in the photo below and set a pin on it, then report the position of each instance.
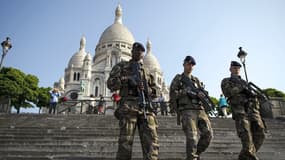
(131, 115)
(193, 117)
(245, 108)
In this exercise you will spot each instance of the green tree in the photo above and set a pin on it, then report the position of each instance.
(43, 97)
(19, 87)
(215, 100)
(271, 92)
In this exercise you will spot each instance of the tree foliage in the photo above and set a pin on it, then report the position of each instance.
(215, 100)
(20, 87)
(271, 92)
(43, 97)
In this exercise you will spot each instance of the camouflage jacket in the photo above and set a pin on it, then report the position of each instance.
(179, 99)
(126, 86)
(234, 89)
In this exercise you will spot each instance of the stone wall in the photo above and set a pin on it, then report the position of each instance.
(5, 105)
(278, 107)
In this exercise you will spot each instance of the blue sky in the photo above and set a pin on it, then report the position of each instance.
(46, 33)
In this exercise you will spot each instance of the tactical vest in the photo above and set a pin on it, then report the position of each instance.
(233, 91)
(184, 101)
(129, 87)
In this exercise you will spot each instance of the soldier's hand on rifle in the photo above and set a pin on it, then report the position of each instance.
(248, 92)
(191, 93)
(141, 86)
(124, 78)
(200, 94)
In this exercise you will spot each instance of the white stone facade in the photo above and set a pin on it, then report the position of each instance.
(85, 75)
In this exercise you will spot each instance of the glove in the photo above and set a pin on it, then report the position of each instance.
(191, 93)
(248, 93)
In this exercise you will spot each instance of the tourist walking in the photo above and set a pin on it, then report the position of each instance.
(223, 105)
(54, 94)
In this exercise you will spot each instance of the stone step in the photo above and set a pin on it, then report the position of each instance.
(90, 130)
(112, 147)
(63, 139)
(85, 120)
(95, 137)
(114, 144)
(137, 155)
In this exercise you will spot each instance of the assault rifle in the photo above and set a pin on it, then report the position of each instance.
(136, 79)
(193, 91)
(251, 89)
(256, 90)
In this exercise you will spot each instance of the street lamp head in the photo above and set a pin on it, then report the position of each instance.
(242, 54)
(6, 45)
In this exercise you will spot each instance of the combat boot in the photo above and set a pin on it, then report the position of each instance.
(198, 158)
(243, 157)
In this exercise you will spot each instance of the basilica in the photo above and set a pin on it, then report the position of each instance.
(87, 74)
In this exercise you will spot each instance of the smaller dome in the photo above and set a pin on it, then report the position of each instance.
(61, 83)
(77, 59)
(82, 43)
(61, 80)
(88, 57)
(150, 60)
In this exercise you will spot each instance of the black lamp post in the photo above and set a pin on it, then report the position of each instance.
(6, 46)
(241, 55)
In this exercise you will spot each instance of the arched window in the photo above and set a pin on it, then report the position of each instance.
(74, 76)
(159, 80)
(114, 59)
(97, 87)
(67, 78)
(78, 76)
(96, 91)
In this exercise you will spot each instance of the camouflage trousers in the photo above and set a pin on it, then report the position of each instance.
(251, 133)
(128, 123)
(192, 120)
(249, 126)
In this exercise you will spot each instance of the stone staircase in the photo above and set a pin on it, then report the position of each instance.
(89, 137)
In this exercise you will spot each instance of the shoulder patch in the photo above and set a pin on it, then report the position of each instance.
(178, 77)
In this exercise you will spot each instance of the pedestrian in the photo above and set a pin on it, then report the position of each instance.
(163, 106)
(136, 87)
(91, 106)
(245, 110)
(223, 105)
(186, 101)
(54, 94)
(101, 105)
(116, 98)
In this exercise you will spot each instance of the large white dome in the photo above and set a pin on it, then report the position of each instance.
(117, 31)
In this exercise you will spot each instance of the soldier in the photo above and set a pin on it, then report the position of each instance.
(135, 85)
(193, 116)
(245, 107)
